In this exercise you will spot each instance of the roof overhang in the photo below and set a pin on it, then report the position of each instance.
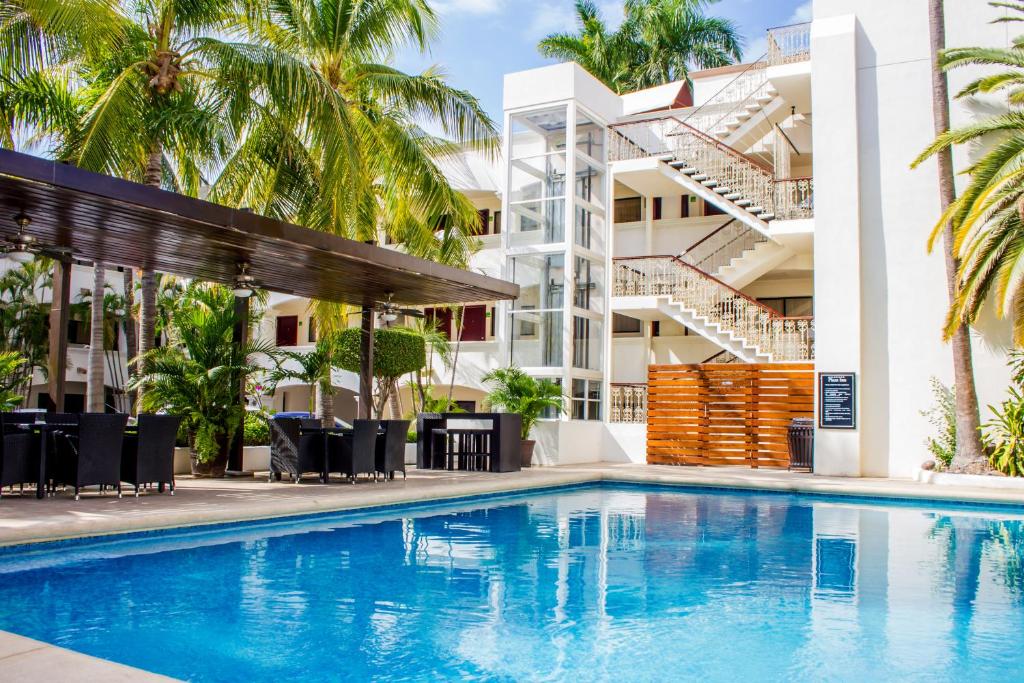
(117, 222)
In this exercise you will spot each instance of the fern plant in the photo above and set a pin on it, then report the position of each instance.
(942, 416)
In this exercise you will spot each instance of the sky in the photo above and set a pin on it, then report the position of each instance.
(481, 40)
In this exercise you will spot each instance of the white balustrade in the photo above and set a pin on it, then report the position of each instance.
(629, 403)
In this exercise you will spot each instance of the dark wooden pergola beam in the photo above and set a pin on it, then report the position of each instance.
(95, 218)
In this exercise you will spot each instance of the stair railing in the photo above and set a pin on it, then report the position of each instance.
(749, 321)
(794, 198)
(789, 44)
(721, 246)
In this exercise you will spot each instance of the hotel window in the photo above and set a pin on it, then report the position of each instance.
(623, 324)
(790, 306)
(497, 222)
(629, 210)
(537, 177)
(586, 399)
(588, 279)
(684, 206)
(712, 210)
(657, 209)
(587, 343)
(536, 317)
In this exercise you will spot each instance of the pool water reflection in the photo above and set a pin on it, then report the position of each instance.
(598, 583)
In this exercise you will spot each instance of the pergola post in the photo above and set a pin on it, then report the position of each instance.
(57, 364)
(239, 337)
(366, 364)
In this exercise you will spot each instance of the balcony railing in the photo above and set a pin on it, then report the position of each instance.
(629, 403)
(758, 326)
(789, 44)
(794, 198)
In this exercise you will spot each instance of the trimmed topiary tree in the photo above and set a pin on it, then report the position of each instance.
(396, 351)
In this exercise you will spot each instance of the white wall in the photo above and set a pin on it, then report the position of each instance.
(880, 299)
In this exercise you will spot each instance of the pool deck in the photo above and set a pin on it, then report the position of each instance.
(24, 519)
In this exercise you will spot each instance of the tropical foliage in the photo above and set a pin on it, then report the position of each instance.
(198, 373)
(987, 227)
(514, 391)
(1003, 434)
(12, 379)
(312, 368)
(397, 351)
(657, 43)
(24, 317)
(942, 417)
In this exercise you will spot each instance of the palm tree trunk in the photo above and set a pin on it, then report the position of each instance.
(147, 304)
(970, 454)
(131, 337)
(394, 405)
(455, 358)
(325, 405)
(94, 392)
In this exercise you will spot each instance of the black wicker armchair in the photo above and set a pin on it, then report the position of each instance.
(355, 453)
(391, 448)
(19, 456)
(148, 456)
(91, 454)
(293, 452)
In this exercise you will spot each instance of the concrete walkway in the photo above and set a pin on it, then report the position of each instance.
(24, 659)
(23, 519)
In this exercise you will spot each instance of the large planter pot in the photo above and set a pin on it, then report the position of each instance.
(410, 454)
(182, 460)
(526, 452)
(212, 470)
(256, 458)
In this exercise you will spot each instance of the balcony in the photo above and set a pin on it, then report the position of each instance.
(628, 403)
(789, 44)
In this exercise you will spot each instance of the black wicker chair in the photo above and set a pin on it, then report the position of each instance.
(91, 455)
(62, 418)
(354, 454)
(148, 457)
(391, 449)
(17, 418)
(293, 452)
(19, 456)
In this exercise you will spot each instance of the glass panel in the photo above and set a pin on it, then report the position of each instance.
(589, 137)
(797, 307)
(537, 178)
(594, 402)
(588, 231)
(551, 413)
(541, 279)
(586, 343)
(538, 132)
(588, 285)
(536, 338)
(586, 399)
(589, 183)
(540, 222)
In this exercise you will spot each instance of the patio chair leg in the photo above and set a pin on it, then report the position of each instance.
(160, 487)
(172, 487)
(136, 490)
(119, 490)
(76, 493)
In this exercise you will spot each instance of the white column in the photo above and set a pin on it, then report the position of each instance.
(648, 225)
(837, 243)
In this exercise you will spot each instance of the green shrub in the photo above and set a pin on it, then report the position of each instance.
(410, 437)
(1004, 435)
(942, 416)
(257, 430)
(396, 351)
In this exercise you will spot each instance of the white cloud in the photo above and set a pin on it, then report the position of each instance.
(550, 17)
(801, 14)
(469, 6)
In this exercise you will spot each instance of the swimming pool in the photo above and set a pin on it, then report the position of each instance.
(600, 582)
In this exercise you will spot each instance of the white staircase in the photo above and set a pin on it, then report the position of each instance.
(711, 308)
(735, 254)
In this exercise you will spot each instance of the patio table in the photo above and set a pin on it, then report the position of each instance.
(45, 432)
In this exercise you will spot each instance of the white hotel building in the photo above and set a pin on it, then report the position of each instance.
(779, 193)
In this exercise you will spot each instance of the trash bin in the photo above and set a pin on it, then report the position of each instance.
(801, 443)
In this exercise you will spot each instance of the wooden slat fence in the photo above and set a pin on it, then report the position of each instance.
(725, 414)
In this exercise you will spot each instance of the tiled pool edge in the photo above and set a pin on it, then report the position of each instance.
(541, 479)
(27, 659)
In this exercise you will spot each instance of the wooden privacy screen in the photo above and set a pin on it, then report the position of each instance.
(725, 414)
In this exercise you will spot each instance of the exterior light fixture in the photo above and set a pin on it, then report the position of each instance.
(244, 283)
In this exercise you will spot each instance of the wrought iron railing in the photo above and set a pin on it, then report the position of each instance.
(723, 357)
(789, 44)
(794, 198)
(759, 327)
(749, 85)
(629, 403)
(669, 139)
(721, 246)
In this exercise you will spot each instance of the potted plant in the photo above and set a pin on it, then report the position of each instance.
(198, 373)
(516, 392)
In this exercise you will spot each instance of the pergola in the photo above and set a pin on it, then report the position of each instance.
(77, 214)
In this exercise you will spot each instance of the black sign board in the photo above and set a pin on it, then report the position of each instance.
(837, 400)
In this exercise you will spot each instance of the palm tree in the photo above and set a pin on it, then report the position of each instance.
(158, 84)
(198, 373)
(12, 379)
(312, 368)
(657, 43)
(516, 392)
(981, 231)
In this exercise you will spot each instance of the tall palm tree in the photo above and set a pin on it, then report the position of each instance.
(657, 43)
(159, 84)
(981, 231)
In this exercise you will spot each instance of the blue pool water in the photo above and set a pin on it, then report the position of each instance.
(597, 583)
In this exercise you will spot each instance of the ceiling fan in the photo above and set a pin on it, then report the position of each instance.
(24, 247)
(389, 311)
